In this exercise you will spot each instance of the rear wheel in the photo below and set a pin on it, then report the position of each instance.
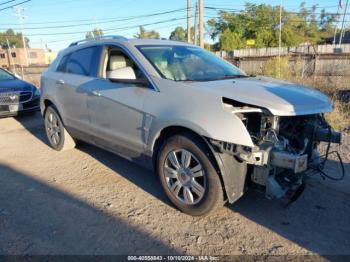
(188, 175)
(56, 133)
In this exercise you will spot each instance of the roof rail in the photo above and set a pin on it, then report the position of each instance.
(115, 37)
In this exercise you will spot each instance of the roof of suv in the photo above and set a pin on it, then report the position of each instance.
(155, 42)
(135, 41)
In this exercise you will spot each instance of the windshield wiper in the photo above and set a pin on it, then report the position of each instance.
(213, 79)
(234, 76)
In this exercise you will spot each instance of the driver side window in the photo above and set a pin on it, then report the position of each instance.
(119, 66)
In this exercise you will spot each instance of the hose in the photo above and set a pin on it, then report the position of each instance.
(320, 167)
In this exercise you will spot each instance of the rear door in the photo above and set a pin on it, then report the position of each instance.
(77, 84)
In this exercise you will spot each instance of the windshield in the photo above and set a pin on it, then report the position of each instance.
(5, 75)
(187, 63)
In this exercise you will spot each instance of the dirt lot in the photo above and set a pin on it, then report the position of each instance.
(88, 201)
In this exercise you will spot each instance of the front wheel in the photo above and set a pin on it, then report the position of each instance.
(56, 133)
(188, 175)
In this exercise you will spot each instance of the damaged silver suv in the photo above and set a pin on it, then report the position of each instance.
(209, 130)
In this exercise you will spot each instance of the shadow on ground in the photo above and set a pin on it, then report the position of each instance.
(318, 221)
(35, 125)
(36, 218)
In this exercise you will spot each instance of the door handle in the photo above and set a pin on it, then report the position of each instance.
(95, 93)
(60, 82)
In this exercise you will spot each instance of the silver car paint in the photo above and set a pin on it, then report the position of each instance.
(179, 104)
(116, 114)
(281, 98)
(133, 117)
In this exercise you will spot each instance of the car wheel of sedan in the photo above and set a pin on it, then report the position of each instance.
(56, 133)
(188, 175)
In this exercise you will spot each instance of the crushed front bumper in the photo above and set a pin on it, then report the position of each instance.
(271, 157)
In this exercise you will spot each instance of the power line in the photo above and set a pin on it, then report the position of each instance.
(106, 30)
(78, 38)
(4, 3)
(230, 5)
(147, 24)
(8, 7)
(104, 22)
(286, 12)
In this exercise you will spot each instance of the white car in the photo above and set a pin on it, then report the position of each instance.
(209, 130)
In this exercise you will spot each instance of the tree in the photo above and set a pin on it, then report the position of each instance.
(147, 34)
(261, 23)
(230, 40)
(96, 33)
(179, 34)
(15, 39)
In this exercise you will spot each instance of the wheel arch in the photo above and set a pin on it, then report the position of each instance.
(47, 102)
(170, 131)
(232, 173)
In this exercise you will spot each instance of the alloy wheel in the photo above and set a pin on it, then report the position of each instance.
(53, 129)
(185, 176)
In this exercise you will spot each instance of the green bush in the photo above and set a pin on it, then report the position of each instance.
(283, 68)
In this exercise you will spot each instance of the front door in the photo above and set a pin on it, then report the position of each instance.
(116, 109)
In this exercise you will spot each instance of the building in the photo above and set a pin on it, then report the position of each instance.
(19, 57)
(49, 57)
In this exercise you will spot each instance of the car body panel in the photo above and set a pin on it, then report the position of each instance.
(174, 106)
(279, 97)
(73, 95)
(116, 114)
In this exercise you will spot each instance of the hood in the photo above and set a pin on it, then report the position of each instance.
(279, 97)
(15, 85)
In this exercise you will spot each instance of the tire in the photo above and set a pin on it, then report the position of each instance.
(56, 133)
(176, 177)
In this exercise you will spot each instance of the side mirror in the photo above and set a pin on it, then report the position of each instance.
(126, 75)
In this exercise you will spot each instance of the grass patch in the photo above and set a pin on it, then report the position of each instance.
(283, 69)
(339, 118)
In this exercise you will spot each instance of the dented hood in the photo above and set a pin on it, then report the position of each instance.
(279, 97)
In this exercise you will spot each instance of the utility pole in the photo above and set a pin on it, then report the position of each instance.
(188, 21)
(201, 26)
(280, 41)
(196, 24)
(19, 13)
(10, 56)
(336, 26)
(342, 31)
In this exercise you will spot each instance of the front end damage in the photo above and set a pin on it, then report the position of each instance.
(285, 148)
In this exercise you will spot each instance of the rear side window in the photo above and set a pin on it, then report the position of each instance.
(81, 62)
(62, 65)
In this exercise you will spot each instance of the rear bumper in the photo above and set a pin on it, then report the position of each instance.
(28, 107)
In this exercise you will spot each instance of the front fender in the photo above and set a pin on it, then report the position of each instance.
(195, 108)
(225, 127)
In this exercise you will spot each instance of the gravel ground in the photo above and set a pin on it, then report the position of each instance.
(88, 201)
